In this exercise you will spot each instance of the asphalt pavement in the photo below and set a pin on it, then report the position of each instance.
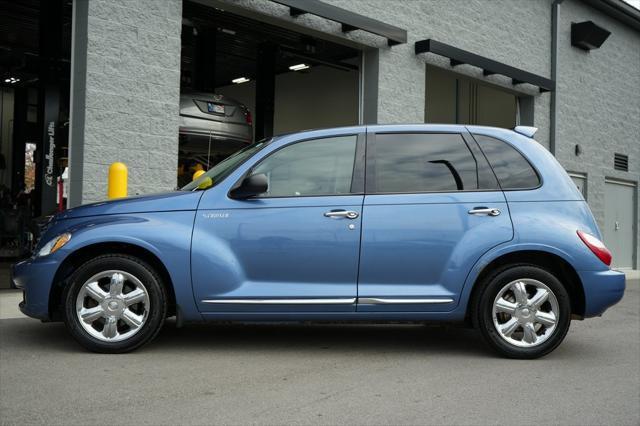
(323, 374)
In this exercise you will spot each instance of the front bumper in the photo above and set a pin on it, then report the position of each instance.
(602, 289)
(35, 278)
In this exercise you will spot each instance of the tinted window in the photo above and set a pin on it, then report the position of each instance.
(317, 167)
(512, 169)
(423, 163)
(221, 170)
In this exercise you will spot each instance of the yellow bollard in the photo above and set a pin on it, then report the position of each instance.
(206, 183)
(197, 174)
(117, 187)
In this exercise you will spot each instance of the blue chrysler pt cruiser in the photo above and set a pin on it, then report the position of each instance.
(371, 223)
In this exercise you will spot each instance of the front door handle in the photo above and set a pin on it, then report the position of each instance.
(484, 211)
(337, 214)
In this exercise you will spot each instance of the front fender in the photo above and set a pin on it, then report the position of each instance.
(167, 235)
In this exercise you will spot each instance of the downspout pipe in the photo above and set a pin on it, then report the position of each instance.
(555, 33)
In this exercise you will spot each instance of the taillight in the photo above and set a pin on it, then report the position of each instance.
(247, 117)
(596, 246)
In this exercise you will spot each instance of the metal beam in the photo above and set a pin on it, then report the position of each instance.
(20, 108)
(489, 66)
(205, 64)
(265, 90)
(296, 12)
(350, 20)
(48, 150)
(553, 110)
(619, 10)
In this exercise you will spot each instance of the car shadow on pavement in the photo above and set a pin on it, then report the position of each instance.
(261, 338)
(337, 338)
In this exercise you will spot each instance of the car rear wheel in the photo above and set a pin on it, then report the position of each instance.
(114, 303)
(523, 312)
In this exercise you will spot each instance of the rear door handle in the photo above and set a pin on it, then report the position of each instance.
(337, 214)
(484, 211)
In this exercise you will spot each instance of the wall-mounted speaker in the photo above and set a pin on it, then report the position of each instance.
(587, 35)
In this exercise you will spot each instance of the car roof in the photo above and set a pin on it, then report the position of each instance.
(387, 128)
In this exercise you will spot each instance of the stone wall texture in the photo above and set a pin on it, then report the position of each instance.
(132, 94)
(598, 103)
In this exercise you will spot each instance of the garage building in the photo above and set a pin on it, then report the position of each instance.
(86, 83)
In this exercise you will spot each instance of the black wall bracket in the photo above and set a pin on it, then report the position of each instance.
(489, 66)
(350, 21)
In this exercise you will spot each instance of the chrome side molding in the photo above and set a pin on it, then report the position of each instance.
(335, 301)
(332, 301)
(401, 301)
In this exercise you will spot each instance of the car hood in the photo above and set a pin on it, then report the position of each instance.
(165, 202)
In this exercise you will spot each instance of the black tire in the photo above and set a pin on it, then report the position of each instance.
(145, 274)
(483, 310)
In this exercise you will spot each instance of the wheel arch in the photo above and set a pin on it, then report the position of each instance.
(548, 261)
(81, 255)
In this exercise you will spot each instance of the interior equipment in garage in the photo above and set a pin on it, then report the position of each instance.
(35, 45)
(209, 121)
(244, 79)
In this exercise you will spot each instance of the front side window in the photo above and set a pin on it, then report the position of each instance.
(423, 162)
(310, 168)
(224, 168)
(511, 168)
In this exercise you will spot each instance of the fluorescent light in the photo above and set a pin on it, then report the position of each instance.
(12, 80)
(240, 80)
(298, 67)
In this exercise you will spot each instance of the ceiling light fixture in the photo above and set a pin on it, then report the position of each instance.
(240, 80)
(12, 80)
(298, 67)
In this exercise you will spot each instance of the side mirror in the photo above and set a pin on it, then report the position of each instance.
(250, 186)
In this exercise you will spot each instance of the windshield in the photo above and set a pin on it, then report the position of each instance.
(221, 170)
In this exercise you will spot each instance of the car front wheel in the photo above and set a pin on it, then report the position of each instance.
(523, 312)
(114, 303)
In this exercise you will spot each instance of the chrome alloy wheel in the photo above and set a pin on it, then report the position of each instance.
(112, 306)
(525, 313)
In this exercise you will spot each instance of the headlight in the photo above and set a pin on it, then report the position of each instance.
(54, 244)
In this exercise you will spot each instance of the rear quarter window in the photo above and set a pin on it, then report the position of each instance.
(512, 169)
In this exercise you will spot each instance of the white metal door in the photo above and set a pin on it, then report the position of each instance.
(620, 222)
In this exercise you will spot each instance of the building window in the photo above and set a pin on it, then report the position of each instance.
(452, 99)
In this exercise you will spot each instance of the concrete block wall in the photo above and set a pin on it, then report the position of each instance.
(127, 54)
(599, 104)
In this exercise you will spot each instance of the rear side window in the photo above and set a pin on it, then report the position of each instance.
(512, 169)
(426, 162)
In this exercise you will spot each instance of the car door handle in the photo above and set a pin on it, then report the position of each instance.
(337, 214)
(484, 211)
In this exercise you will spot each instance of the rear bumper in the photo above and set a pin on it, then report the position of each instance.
(34, 277)
(602, 289)
(217, 130)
